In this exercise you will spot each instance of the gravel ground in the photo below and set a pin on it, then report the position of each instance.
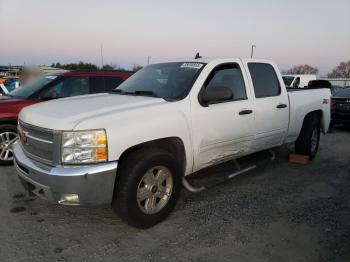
(278, 212)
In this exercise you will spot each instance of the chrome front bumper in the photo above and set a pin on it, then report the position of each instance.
(93, 184)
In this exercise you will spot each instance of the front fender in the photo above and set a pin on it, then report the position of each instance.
(128, 129)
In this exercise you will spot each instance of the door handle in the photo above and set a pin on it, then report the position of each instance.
(245, 112)
(279, 106)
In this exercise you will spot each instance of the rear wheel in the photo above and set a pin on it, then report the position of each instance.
(147, 188)
(8, 135)
(309, 137)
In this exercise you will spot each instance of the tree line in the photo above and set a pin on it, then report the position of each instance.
(90, 66)
(340, 71)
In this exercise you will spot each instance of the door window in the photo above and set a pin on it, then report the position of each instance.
(230, 76)
(97, 84)
(112, 82)
(69, 86)
(264, 79)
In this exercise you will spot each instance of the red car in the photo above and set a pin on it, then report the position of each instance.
(72, 83)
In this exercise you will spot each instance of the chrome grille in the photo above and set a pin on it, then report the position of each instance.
(37, 142)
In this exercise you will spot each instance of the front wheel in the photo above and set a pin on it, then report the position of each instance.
(8, 135)
(309, 137)
(147, 187)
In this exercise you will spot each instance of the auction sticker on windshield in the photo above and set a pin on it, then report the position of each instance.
(192, 65)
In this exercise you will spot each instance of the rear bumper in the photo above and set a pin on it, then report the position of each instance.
(93, 185)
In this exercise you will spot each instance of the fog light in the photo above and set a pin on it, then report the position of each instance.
(69, 199)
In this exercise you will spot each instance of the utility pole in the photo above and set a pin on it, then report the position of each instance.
(148, 59)
(252, 52)
(101, 56)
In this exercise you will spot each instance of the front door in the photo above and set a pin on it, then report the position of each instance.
(224, 130)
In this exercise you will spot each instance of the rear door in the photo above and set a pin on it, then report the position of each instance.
(271, 105)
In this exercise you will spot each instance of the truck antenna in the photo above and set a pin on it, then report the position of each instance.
(197, 56)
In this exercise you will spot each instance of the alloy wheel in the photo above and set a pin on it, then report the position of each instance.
(6, 141)
(154, 190)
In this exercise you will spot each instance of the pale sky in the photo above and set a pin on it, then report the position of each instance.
(290, 32)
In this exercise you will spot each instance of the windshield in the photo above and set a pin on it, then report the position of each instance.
(288, 80)
(171, 81)
(343, 93)
(27, 90)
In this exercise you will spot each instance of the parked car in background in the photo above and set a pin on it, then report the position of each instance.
(335, 89)
(135, 146)
(298, 81)
(50, 87)
(341, 107)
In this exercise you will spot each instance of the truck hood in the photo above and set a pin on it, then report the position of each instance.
(67, 113)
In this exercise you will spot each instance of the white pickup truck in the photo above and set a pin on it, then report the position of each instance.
(133, 147)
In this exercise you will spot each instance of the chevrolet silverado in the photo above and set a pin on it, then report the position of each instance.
(133, 147)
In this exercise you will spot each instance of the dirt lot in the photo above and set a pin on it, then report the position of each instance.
(279, 212)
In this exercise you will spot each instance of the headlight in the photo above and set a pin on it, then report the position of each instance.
(84, 147)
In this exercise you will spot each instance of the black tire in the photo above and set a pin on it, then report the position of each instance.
(129, 176)
(304, 143)
(3, 130)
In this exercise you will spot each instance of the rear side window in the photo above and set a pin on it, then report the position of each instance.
(265, 80)
(112, 82)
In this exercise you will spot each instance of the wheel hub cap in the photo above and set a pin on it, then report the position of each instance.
(154, 190)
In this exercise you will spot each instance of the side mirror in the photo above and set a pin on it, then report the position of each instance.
(214, 95)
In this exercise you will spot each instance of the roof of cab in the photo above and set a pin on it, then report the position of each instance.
(207, 60)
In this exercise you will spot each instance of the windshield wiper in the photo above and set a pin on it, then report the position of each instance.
(145, 93)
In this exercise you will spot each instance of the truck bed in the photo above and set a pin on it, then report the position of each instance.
(302, 101)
